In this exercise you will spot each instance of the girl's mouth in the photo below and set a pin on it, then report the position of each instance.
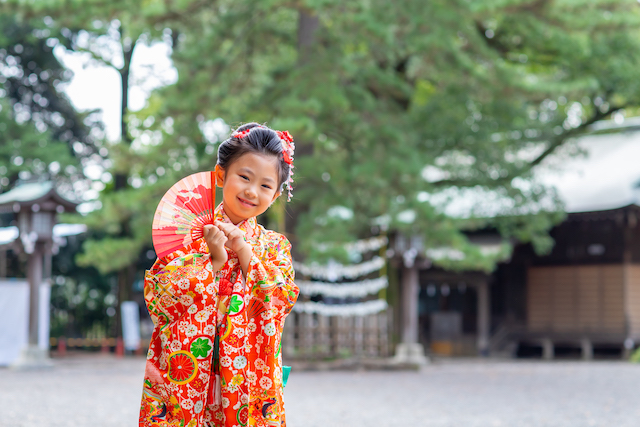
(246, 203)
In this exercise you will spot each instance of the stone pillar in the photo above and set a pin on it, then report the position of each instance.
(483, 319)
(548, 352)
(587, 349)
(3, 263)
(410, 351)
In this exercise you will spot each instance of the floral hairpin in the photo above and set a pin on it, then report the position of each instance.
(242, 134)
(288, 148)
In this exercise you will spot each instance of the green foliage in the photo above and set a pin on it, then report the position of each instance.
(41, 134)
(426, 118)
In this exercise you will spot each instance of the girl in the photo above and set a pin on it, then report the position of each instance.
(219, 304)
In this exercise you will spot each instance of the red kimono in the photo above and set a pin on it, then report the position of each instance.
(214, 357)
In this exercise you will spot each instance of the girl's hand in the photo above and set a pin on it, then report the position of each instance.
(235, 238)
(215, 239)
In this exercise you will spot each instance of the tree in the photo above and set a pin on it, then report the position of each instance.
(42, 133)
(402, 110)
(109, 33)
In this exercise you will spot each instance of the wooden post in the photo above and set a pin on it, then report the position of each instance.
(483, 320)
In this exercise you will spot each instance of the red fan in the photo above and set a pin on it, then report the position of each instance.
(183, 212)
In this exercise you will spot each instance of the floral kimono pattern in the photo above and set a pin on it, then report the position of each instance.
(214, 357)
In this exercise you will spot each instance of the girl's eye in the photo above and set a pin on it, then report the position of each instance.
(244, 177)
(266, 186)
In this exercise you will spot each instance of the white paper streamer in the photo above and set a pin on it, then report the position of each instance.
(343, 290)
(358, 309)
(360, 246)
(333, 272)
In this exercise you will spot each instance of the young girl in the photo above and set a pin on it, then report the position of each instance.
(219, 304)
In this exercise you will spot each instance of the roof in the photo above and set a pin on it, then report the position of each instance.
(10, 234)
(605, 177)
(30, 193)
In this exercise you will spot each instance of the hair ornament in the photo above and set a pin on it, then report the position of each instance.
(242, 134)
(288, 148)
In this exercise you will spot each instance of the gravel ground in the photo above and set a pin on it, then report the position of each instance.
(101, 391)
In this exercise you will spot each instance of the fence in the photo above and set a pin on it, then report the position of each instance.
(313, 336)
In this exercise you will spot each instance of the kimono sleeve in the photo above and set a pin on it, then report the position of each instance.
(175, 282)
(270, 276)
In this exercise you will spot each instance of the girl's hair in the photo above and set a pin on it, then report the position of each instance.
(254, 138)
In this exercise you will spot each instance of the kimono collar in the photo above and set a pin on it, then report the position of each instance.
(249, 225)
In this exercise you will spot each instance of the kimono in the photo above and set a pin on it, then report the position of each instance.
(215, 354)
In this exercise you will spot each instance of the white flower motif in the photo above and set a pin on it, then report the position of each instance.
(232, 388)
(208, 330)
(244, 398)
(163, 361)
(202, 316)
(265, 383)
(252, 327)
(225, 361)
(200, 288)
(239, 362)
(150, 354)
(192, 309)
(239, 332)
(225, 402)
(269, 329)
(182, 326)
(176, 345)
(187, 404)
(184, 284)
(197, 408)
(203, 273)
(191, 330)
(259, 339)
(252, 377)
(186, 300)
(191, 392)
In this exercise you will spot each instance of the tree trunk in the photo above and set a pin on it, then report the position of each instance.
(126, 274)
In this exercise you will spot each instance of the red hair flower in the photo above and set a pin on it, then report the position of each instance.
(287, 158)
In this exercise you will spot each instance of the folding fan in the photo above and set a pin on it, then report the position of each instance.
(183, 212)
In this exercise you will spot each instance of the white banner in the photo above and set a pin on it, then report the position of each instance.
(343, 290)
(130, 324)
(357, 309)
(360, 246)
(14, 319)
(335, 271)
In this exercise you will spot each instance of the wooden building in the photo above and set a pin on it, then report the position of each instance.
(584, 295)
(580, 300)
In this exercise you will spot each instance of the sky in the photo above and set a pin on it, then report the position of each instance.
(601, 178)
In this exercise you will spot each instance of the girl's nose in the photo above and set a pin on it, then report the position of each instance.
(250, 192)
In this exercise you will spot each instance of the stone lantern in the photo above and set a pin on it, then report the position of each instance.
(35, 205)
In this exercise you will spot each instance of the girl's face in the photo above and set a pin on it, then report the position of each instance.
(249, 185)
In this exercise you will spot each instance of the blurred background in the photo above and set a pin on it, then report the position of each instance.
(466, 171)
